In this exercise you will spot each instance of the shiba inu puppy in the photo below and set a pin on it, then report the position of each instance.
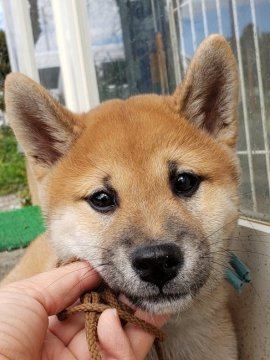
(146, 190)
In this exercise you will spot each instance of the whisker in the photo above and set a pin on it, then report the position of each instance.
(95, 268)
(242, 251)
(63, 276)
(217, 230)
(214, 261)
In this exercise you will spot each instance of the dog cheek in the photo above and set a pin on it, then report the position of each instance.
(71, 237)
(219, 220)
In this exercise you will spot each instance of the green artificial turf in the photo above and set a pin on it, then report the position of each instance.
(19, 227)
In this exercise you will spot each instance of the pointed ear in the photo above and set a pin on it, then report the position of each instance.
(209, 94)
(43, 127)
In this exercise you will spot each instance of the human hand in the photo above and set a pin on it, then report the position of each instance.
(30, 331)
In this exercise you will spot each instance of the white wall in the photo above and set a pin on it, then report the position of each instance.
(251, 309)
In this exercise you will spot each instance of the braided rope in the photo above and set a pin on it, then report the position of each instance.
(92, 307)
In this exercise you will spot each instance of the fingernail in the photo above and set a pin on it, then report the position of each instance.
(115, 313)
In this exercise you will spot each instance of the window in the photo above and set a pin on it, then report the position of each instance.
(118, 48)
(246, 26)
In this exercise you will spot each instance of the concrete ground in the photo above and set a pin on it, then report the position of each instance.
(9, 258)
(9, 202)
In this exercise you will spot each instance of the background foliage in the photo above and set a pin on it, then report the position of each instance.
(13, 177)
(4, 66)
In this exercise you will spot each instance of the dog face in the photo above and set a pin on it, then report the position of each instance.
(144, 189)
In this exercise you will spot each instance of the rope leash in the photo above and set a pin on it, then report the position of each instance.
(93, 304)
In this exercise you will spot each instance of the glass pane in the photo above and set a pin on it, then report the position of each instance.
(46, 50)
(249, 19)
(211, 16)
(130, 52)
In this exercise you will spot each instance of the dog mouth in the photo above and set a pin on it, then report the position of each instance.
(160, 298)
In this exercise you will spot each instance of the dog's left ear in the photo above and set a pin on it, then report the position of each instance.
(209, 94)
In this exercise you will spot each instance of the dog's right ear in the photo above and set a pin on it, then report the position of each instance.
(43, 127)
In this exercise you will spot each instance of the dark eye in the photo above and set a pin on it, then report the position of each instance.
(185, 184)
(102, 201)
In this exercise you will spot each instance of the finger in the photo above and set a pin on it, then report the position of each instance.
(54, 348)
(140, 340)
(57, 289)
(68, 329)
(79, 347)
(112, 338)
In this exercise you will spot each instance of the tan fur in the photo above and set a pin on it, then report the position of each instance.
(129, 144)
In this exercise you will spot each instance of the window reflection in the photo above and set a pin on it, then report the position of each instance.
(46, 50)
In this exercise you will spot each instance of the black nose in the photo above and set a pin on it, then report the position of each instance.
(157, 264)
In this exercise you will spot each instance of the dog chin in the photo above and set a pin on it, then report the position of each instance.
(162, 304)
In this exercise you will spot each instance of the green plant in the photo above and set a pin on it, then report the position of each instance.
(13, 178)
(4, 66)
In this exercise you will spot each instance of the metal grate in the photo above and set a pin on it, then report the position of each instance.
(192, 20)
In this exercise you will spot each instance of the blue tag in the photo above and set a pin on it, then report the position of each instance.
(239, 274)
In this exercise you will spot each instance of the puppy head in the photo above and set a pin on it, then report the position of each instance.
(144, 189)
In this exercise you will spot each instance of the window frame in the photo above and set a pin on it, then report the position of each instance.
(81, 91)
